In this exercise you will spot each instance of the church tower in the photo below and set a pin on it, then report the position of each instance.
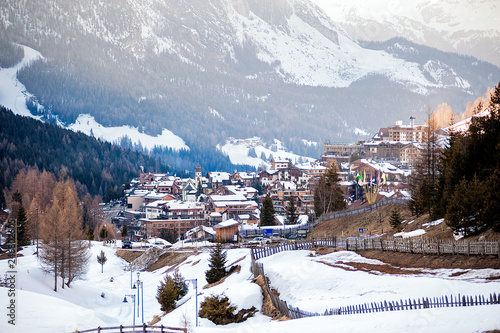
(197, 175)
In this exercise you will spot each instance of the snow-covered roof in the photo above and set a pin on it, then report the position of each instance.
(225, 224)
(154, 196)
(384, 167)
(156, 204)
(234, 197)
(219, 176)
(209, 230)
(181, 205)
(243, 204)
(167, 183)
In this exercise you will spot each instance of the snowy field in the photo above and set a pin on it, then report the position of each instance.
(303, 280)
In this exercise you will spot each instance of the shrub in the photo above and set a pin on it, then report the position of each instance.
(221, 312)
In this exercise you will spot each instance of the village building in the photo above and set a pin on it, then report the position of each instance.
(227, 231)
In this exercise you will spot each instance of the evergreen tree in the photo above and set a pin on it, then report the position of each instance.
(291, 212)
(23, 238)
(2, 198)
(101, 259)
(395, 219)
(328, 195)
(169, 235)
(124, 231)
(103, 234)
(17, 197)
(492, 204)
(199, 190)
(217, 264)
(170, 290)
(252, 153)
(466, 207)
(19, 214)
(267, 212)
(468, 174)
(256, 184)
(89, 233)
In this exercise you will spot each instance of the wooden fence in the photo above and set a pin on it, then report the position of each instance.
(395, 244)
(137, 328)
(384, 202)
(407, 304)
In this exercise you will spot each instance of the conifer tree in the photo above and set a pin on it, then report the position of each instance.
(63, 250)
(291, 212)
(466, 207)
(395, 219)
(328, 195)
(103, 234)
(2, 198)
(101, 259)
(267, 212)
(217, 264)
(199, 190)
(124, 231)
(23, 238)
(492, 204)
(170, 290)
(89, 233)
(19, 214)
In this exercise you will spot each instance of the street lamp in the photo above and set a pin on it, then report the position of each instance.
(133, 299)
(140, 286)
(195, 282)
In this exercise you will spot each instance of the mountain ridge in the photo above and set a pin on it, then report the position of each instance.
(236, 68)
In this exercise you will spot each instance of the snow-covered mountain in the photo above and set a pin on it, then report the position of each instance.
(206, 71)
(465, 27)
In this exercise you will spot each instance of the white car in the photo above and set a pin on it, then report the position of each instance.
(259, 241)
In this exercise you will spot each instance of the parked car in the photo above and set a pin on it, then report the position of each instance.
(126, 244)
(259, 241)
(277, 239)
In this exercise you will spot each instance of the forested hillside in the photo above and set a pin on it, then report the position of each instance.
(462, 183)
(97, 167)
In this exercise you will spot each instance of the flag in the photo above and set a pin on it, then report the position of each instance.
(384, 180)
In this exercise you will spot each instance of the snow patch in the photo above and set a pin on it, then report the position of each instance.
(88, 125)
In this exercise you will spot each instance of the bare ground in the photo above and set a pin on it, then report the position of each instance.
(167, 259)
(377, 222)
